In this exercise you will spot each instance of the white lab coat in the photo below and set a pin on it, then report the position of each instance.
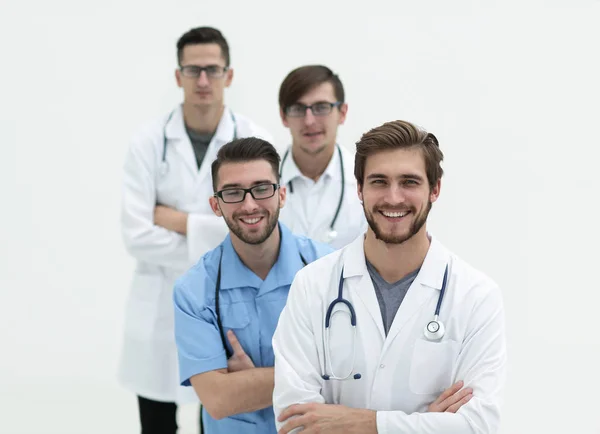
(401, 373)
(310, 208)
(148, 364)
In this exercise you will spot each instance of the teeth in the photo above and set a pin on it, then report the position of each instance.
(251, 221)
(394, 214)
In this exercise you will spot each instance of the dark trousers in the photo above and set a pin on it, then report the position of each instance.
(159, 417)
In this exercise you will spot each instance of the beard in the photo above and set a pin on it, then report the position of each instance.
(253, 236)
(391, 238)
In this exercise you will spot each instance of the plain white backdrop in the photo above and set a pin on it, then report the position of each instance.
(509, 88)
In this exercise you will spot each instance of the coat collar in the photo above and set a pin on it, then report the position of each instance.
(175, 126)
(431, 273)
(290, 171)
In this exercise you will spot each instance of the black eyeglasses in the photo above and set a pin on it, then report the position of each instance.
(212, 71)
(258, 192)
(322, 108)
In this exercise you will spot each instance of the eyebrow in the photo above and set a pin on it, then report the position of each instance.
(404, 176)
(238, 185)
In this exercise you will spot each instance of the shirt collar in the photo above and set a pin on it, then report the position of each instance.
(431, 273)
(290, 171)
(175, 125)
(234, 274)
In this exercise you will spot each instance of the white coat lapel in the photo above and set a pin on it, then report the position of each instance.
(426, 285)
(360, 285)
(179, 141)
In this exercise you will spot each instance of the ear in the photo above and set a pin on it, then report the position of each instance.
(228, 77)
(343, 112)
(359, 191)
(434, 194)
(283, 118)
(178, 78)
(214, 205)
(282, 196)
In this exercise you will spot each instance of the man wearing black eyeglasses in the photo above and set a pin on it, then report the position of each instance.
(318, 172)
(167, 223)
(227, 306)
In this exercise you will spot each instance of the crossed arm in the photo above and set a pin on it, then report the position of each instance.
(241, 388)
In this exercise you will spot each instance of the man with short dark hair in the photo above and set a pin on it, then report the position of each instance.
(316, 170)
(166, 221)
(227, 305)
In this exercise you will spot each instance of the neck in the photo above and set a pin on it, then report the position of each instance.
(259, 258)
(395, 261)
(203, 119)
(312, 165)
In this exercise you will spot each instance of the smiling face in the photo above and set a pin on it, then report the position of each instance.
(253, 219)
(314, 132)
(396, 195)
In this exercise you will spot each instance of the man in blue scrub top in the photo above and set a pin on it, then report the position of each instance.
(224, 343)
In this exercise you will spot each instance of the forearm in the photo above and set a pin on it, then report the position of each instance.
(240, 392)
(392, 422)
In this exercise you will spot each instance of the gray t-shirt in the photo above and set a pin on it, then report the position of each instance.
(200, 142)
(390, 295)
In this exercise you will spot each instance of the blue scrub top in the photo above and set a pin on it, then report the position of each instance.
(248, 305)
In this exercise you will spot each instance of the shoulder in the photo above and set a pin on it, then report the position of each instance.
(348, 161)
(472, 283)
(249, 128)
(198, 281)
(310, 249)
(312, 274)
(148, 135)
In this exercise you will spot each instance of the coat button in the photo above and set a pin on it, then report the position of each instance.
(382, 366)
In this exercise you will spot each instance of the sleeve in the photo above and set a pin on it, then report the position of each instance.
(297, 367)
(199, 346)
(143, 239)
(482, 366)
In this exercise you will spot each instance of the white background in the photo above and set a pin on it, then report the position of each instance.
(509, 88)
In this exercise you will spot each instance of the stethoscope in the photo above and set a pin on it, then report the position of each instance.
(332, 233)
(434, 330)
(164, 165)
(217, 309)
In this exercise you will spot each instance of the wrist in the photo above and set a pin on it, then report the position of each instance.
(366, 422)
(182, 223)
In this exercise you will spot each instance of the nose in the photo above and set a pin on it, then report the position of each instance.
(309, 117)
(395, 195)
(249, 205)
(202, 79)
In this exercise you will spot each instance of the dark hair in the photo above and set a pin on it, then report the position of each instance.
(305, 78)
(203, 35)
(399, 135)
(243, 150)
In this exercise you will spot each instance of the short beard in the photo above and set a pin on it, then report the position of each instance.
(256, 238)
(397, 239)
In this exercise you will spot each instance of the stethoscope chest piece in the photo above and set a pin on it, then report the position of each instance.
(434, 330)
(330, 236)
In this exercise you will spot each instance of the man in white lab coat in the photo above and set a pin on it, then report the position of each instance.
(167, 222)
(423, 318)
(317, 171)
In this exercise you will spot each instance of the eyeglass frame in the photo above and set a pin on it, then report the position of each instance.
(311, 107)
(219, 194)
(205, 69)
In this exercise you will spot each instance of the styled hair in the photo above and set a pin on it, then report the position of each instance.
(244, 150)
(304, 79)
(203, 35)
(399, 135)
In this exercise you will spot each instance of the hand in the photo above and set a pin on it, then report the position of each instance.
(451, 399)
(170, 219)
(239, 361)
(329, 418)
